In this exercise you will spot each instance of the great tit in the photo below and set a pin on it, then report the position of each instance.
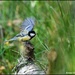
(27, 32)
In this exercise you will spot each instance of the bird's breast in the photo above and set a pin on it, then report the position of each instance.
(25, 38)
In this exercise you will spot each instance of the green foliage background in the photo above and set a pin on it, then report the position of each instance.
(55, 28)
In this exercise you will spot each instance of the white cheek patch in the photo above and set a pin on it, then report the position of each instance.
(32, 34)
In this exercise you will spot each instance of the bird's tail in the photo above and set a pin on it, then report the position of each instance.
(11, 40)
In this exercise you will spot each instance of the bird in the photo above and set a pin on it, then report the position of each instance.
(27, 32)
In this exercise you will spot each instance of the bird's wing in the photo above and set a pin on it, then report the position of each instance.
(28, 24)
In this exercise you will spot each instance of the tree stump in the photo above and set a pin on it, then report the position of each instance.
(26, 63)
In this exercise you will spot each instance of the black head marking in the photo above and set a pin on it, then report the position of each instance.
(32, 34)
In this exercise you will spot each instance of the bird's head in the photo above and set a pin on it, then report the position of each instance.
(32, 34)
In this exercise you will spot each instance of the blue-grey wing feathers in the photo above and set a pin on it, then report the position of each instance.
(28, 24)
